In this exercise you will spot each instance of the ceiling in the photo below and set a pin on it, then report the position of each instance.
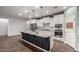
(25, 12)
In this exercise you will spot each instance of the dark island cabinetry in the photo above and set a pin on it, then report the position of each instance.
(41, 42)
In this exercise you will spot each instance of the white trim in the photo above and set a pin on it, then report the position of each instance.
(35, 45)
(76, 49)
(71, 46)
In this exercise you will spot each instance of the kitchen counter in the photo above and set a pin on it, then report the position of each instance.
(40, 33)
(42, 39)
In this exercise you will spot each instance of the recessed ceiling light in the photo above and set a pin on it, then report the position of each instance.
(36, 14)
(47, 12)
(20, 14)
(64, 7)
(26, 11)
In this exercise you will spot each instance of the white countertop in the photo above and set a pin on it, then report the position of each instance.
(41, 33)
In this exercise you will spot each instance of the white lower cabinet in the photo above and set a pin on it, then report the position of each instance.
(59, 39)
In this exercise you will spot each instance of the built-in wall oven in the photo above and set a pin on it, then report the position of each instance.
(58, 30)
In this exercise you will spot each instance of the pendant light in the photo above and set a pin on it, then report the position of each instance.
(33, 12)
(41, 10)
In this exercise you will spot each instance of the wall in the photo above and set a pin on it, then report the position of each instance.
(27, 26)
(16, 26)
(77, 28)
(70, 33)
(3, 26)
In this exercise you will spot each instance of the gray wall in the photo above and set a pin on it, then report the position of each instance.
(12, 26)
(16, 26)
(3, 26)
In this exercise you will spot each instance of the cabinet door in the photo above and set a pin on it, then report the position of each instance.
(39, 41)
(46, 44)
(34, 40)
(27, 37)
(24, 36)
(30, 38)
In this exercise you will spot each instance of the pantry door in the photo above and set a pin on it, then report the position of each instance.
(70, 18)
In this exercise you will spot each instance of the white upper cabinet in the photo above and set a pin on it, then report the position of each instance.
(51, 22)
(58, 19)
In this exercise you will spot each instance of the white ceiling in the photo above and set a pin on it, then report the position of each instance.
(13, 11)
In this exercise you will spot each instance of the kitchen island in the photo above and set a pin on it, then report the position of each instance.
(40, 39)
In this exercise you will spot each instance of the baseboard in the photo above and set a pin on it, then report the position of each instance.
(19, 36)
(14, 34)
(70, 46)
(77, 50)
